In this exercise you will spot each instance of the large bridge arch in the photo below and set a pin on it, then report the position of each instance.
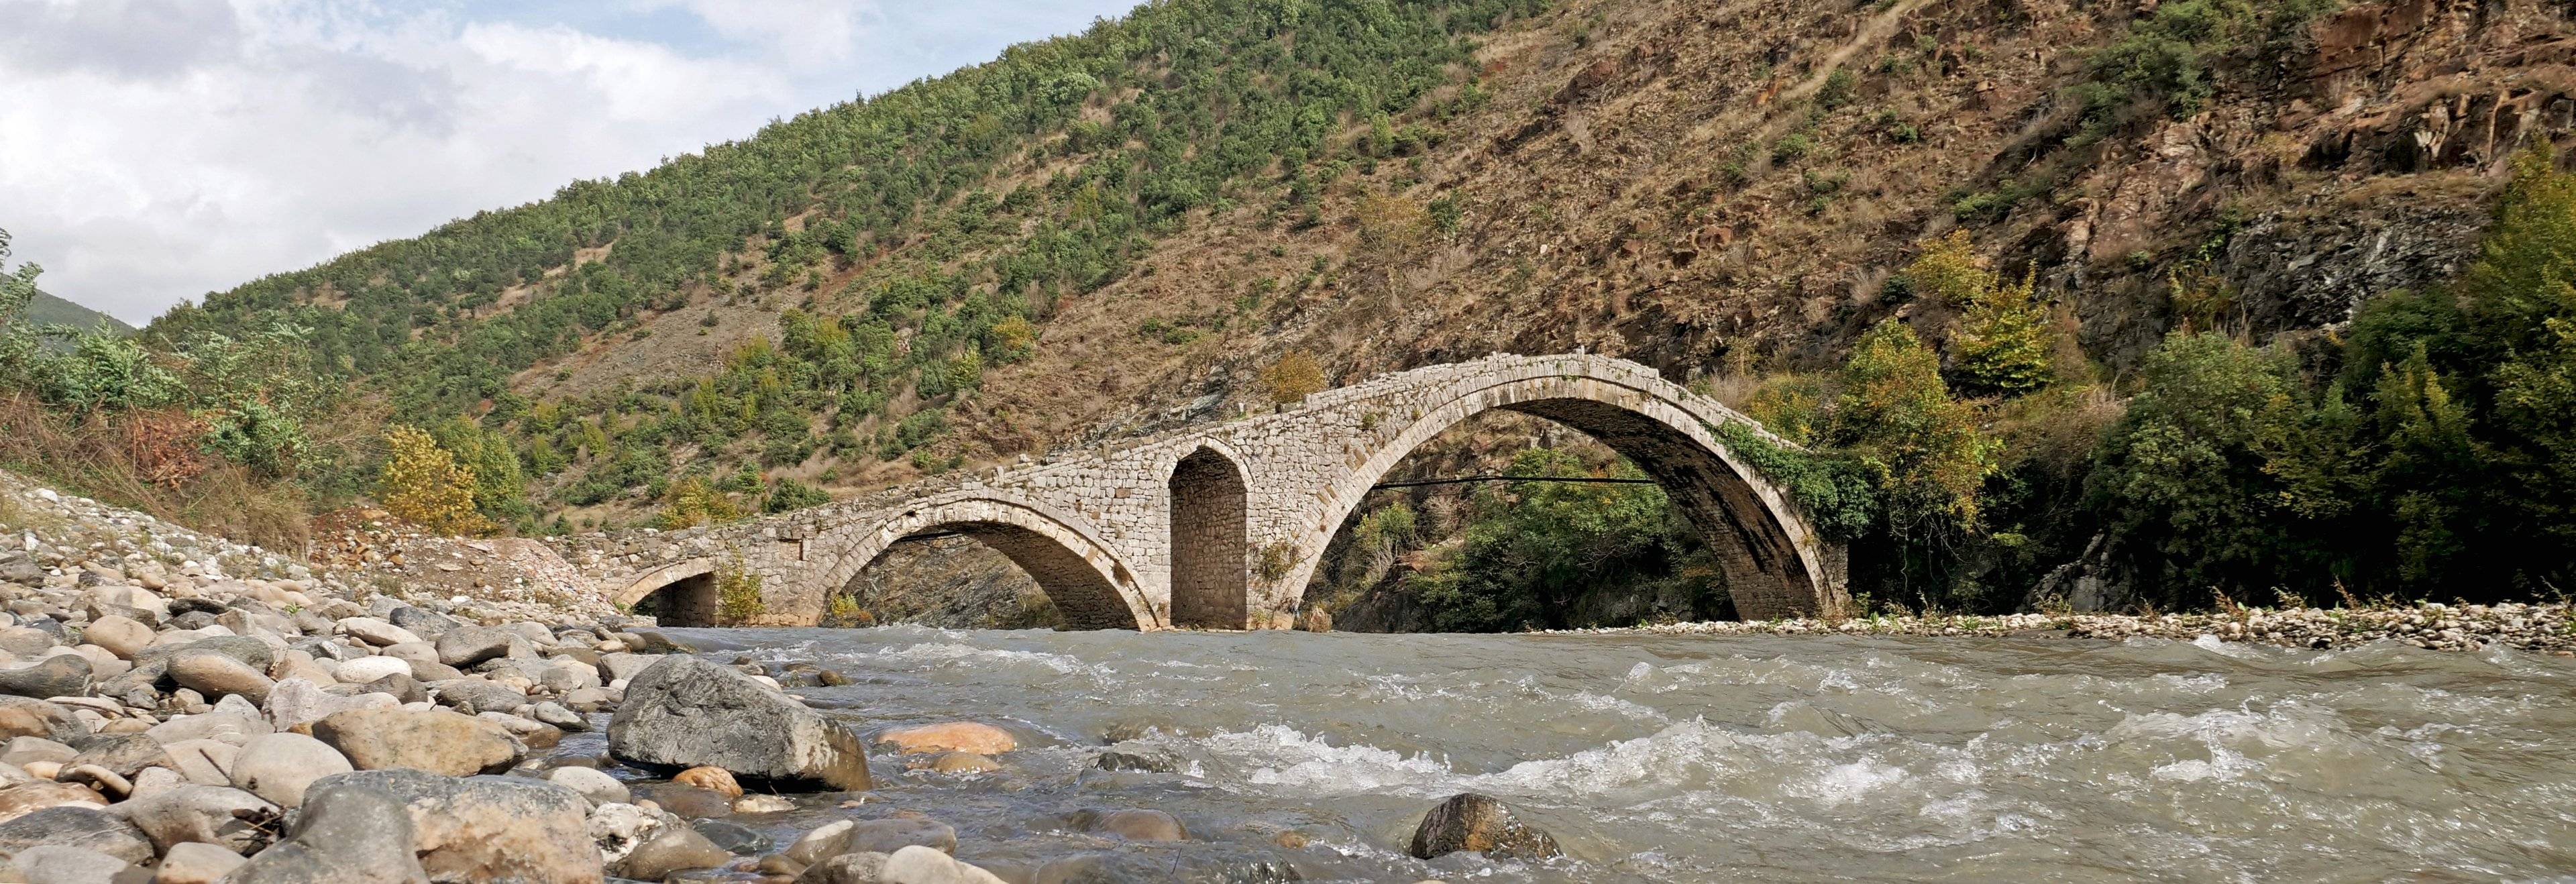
(1091, 586)
(1774, 564)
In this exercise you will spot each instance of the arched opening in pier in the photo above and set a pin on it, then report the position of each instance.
(1211, 565)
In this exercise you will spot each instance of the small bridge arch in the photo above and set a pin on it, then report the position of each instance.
(683, 592)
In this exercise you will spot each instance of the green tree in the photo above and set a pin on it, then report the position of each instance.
(1925, 449)
(1533, 551)
(2183, 478)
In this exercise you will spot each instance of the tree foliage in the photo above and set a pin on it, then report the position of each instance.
(2000, 346)
(1897, 417)
(422, 483)
(1533, 551)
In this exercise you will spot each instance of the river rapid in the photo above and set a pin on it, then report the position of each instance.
(1734, 758)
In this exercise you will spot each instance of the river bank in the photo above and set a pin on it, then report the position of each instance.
(2547, 628)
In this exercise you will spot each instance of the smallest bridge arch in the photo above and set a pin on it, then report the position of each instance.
(683, 592)
(1090, 586)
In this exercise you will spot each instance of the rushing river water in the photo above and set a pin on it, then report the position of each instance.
(1727, 758)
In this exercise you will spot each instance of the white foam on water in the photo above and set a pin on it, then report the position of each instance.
(1593, 702)
(1683, 752)
(1845, 783)
(1279, 755)
(2222, 764)
(2190, 684)
(947, 652)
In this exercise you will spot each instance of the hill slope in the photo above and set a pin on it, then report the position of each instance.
(49, 310)
(1103, 233)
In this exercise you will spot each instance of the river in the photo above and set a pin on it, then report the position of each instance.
(1725, 758)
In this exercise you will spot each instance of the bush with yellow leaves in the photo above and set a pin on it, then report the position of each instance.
(1292, 378)
(423, 484)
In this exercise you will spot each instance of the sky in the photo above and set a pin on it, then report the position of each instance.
(152, 151)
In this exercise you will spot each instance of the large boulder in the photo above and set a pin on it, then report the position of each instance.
(377, 632)
(26, 798)
(673, 849)
(70, 826)
(63, 864)
(229, 723)
(296, 701)
(480, 695)
(489, 828)
(599, 787)
(686, 712)
(351, 834)
(124, 754)
(119, 635)
(426, 623)
(1469, 821)
(950, 736)
(619, 829)
(626, 666)
(1132, 824)
(436, 740)
(194, 863)
(364, 670)
(279, 767)
(248, 651)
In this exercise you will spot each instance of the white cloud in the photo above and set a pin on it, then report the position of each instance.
(154, 150)
(805, 33)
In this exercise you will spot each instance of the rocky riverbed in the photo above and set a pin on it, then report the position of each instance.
(2539, 628)
(177, 708)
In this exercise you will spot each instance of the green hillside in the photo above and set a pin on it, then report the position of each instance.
(950, 218)
(48, 310)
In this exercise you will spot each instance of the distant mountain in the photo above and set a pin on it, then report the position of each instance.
(48, 309)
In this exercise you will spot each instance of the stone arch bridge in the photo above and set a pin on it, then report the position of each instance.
(1220, 525)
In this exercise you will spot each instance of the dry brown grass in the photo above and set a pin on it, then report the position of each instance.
(98, 458)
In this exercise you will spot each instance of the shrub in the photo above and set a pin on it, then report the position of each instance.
(1837, 89)
(738, 599)
(692, 502)
(1897, 417)
(2001, 345)
(1292, 378)
(788, 494)
(2182, 477)
(422, 483)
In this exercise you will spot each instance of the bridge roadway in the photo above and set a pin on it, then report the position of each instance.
(1220, 525)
